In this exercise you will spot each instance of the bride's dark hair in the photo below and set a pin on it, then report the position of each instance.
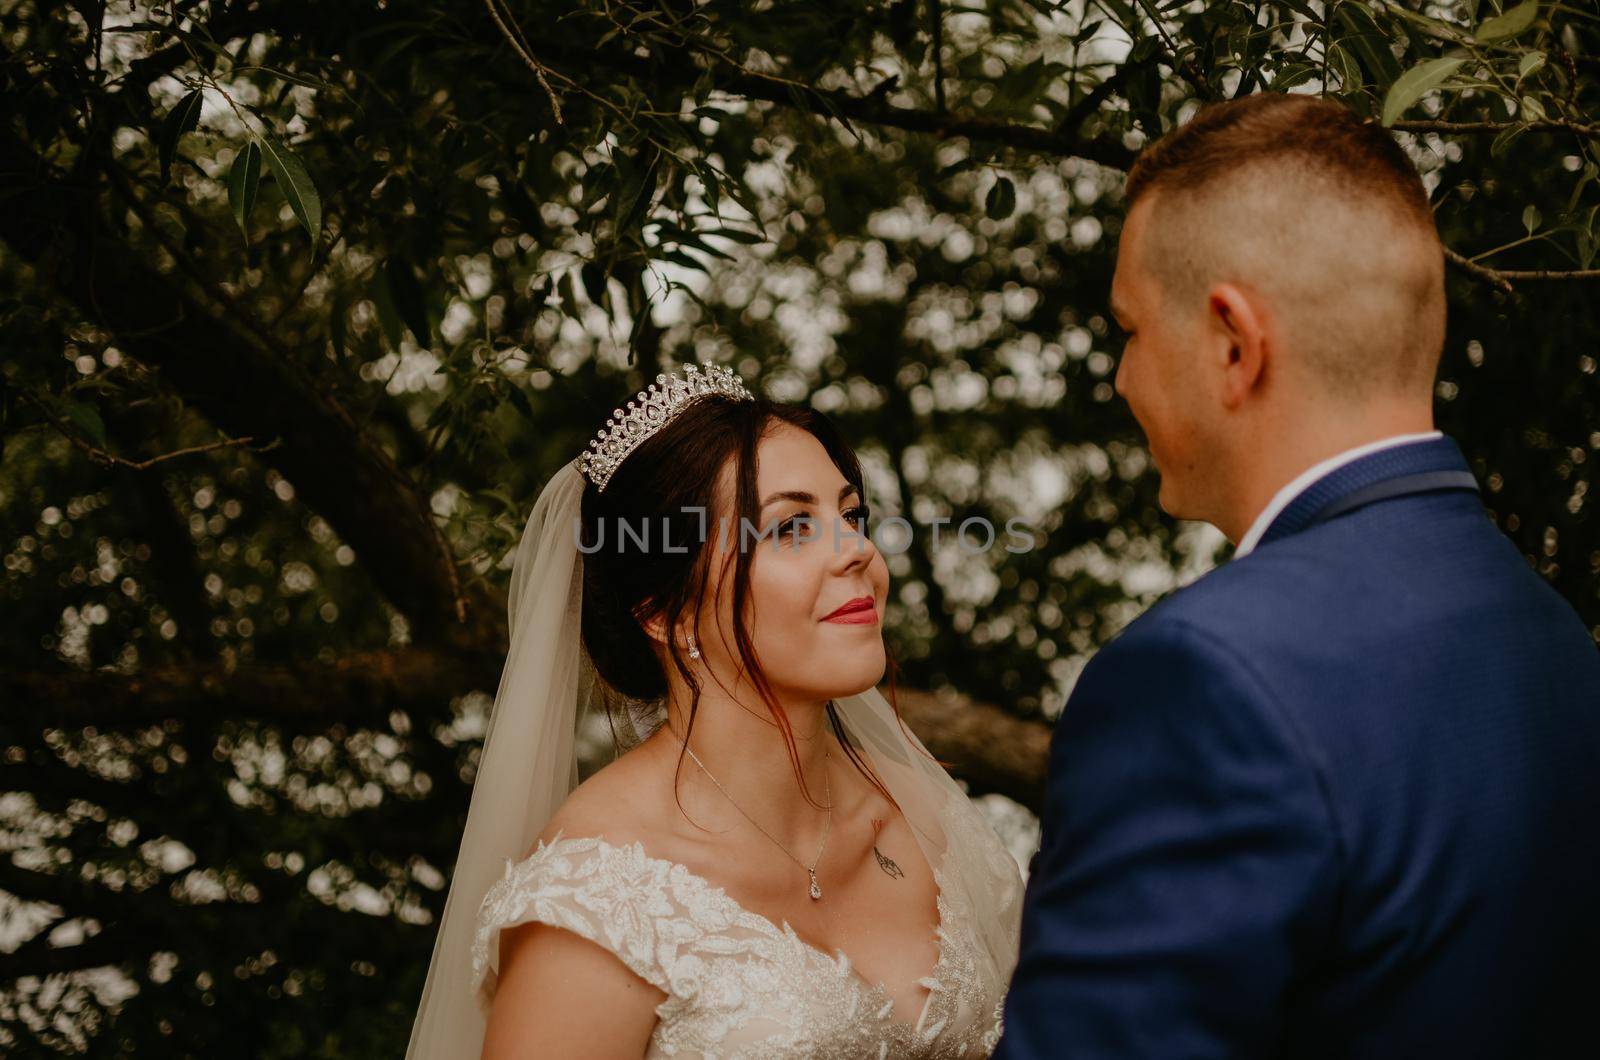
(627, 584)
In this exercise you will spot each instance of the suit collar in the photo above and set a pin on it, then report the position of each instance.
(1437, 454)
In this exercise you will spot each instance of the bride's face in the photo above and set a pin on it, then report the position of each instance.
(817, 585)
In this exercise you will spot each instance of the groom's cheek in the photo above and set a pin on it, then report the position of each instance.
(1164, 498)
(1130, 386)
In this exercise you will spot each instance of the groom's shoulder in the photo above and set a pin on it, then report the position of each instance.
(1218, 615)
(1273, 588)
(1218, 642)
(1261, 611)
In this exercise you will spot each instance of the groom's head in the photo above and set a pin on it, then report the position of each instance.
(1282, 286)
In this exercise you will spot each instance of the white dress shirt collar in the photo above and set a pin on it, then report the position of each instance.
(1284, 497)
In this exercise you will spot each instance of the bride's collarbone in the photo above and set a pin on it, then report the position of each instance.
(885, 925)
(879, 903)
(884, 921)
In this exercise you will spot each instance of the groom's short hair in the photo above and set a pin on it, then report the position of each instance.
(1303, 199)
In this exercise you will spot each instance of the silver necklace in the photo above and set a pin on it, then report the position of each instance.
(816, 889)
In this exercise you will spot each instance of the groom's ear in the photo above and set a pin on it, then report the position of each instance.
(1241, 343)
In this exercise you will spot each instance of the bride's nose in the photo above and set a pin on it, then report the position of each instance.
(852, 547)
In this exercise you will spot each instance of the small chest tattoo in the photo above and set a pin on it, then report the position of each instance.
(885, 862)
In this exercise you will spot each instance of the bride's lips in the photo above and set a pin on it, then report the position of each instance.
(858, 612)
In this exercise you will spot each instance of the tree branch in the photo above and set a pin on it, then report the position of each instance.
(833, 104)
(1079, 112)
(1502, 278)
(246, 389)
(1458, 127)
(993, 749)
(100, 456)
(868, 110)
(1185, 68)
(361, 687)
(507, 25)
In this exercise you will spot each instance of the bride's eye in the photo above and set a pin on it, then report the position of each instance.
(858, 515)
(797, 528)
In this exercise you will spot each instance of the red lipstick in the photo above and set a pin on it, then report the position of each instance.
(859, 612)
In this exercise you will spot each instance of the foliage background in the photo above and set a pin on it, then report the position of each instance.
(301, 304)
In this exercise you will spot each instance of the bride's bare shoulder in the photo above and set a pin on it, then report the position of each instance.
(622, 802)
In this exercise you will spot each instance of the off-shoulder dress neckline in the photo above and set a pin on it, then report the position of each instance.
(878, 992)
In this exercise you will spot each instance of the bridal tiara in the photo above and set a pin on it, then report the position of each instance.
(630, 427)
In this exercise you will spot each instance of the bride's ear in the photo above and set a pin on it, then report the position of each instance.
(655, 627)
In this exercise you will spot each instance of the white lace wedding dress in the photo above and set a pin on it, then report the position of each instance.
(737, 984)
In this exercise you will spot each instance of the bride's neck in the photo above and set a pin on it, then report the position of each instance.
(743, 747)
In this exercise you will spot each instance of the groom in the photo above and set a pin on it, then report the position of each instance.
(1341, 797)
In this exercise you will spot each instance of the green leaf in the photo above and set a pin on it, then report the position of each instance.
(1587, 243)
(1001, 201)
(569, 295)
(958, 166)
(1532, 109)
(185, 117)
(441, 412)
(243, 180)
(594, 282)
(1590, 172)
(1513, 22)
(598, 182)
(692, 239)
(678, 257)
(1370, 43)
(87, 420)
(336, 324)
(1293, 74)
(1503, 141)
(520, 400)
(295, 182)
(409, 301)
(1343, 65)
(711, 187)
(500, 495)
(1531, 63)
(388, 317)
(747, 238)
(292, 78)
(1531, 219)
(1414, 84)
(643, 193)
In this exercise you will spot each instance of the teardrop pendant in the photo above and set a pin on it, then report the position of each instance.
(816, 891)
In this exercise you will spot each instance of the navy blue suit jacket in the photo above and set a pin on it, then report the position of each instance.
(1338, 798)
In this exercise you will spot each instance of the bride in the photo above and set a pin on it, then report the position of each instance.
(774, 866)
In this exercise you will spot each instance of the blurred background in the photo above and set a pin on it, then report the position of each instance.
(301, 304)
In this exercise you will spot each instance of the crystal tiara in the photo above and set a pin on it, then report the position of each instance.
(669, 395)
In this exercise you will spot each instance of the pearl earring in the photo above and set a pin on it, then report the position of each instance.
(694, 652)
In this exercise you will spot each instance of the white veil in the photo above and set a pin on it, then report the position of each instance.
(529, 766)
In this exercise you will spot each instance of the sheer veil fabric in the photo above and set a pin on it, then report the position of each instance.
(529, 765)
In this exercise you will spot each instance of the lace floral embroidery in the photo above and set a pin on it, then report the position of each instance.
(737, 984)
